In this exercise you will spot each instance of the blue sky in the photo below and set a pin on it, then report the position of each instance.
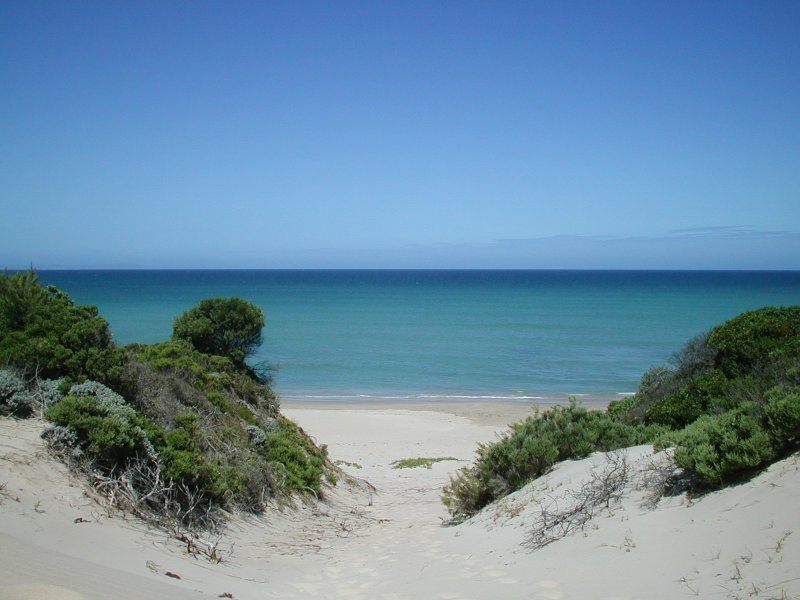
(400, 135)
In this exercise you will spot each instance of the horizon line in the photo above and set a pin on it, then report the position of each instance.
(409, 269)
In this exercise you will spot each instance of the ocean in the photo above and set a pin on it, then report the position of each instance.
(445, 335)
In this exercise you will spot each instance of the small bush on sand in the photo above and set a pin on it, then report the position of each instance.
(729, 403)
(107, 433)
(15, 399)
(782, 416)
(532, 447)
(413, 463)
(19, 398)
(722, 448)
(296, 461)
(165, 431)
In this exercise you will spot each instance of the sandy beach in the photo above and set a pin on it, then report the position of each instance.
(389, 538)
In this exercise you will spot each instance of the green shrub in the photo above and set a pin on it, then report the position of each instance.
(690, 402)
(421, 461)
(15, 397)
(248, 481)
(219, 400)
(219, 380)
(135, 410)
(185, 465)
(756, 337)
(620, 410)
(207, 372)
(109, 437)
(532, 447)
(44, 328)
(296, 461)
(229, 327)
(782, 416)
(721, 449)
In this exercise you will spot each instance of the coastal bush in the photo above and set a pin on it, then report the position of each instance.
(719, 449)
(421, 461)
(532, 447)
(177, 429)
(729, 403)
(20, 297)
(662, 396)
(185, 465)
(766, 335)
(736, 362)
(250, 452)
(63, 441)
(782, 417)
(95, 423)
(15, 399)
(19, 398)
(296, 461)
(42, 331)
(229, 327)
(695, 398)
(109, 438)
(228, 387)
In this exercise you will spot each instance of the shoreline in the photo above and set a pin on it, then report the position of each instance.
(493, 413)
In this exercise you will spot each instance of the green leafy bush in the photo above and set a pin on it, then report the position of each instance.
(229, 327)
(296, 461)
(43, 329)
(532, 447)
(722, 448)
(15, 398)
(690, 402)
(188, 423)
(109, 437)
(185, 465)
(755, 337)
(782, 416)
(737, 362)
(221, 382)
(662, 396)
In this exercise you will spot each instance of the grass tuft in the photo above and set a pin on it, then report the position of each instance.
(413, 463)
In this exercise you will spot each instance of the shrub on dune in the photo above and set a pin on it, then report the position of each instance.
(532, 447)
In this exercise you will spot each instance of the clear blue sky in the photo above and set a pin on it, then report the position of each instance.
(402, 134)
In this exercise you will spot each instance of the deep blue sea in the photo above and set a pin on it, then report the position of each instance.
(404, 335)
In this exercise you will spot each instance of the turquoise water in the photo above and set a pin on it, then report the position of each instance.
(374, 335)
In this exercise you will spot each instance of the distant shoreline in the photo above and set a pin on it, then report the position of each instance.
(492, 413)
(401, 399)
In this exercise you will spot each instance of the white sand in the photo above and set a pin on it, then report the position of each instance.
(391, 543)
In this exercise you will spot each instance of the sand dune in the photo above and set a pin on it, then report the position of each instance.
(55, 542)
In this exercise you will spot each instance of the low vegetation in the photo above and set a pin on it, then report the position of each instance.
(413, 463)
(728, 403)
(176, 431)
(532, 447)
